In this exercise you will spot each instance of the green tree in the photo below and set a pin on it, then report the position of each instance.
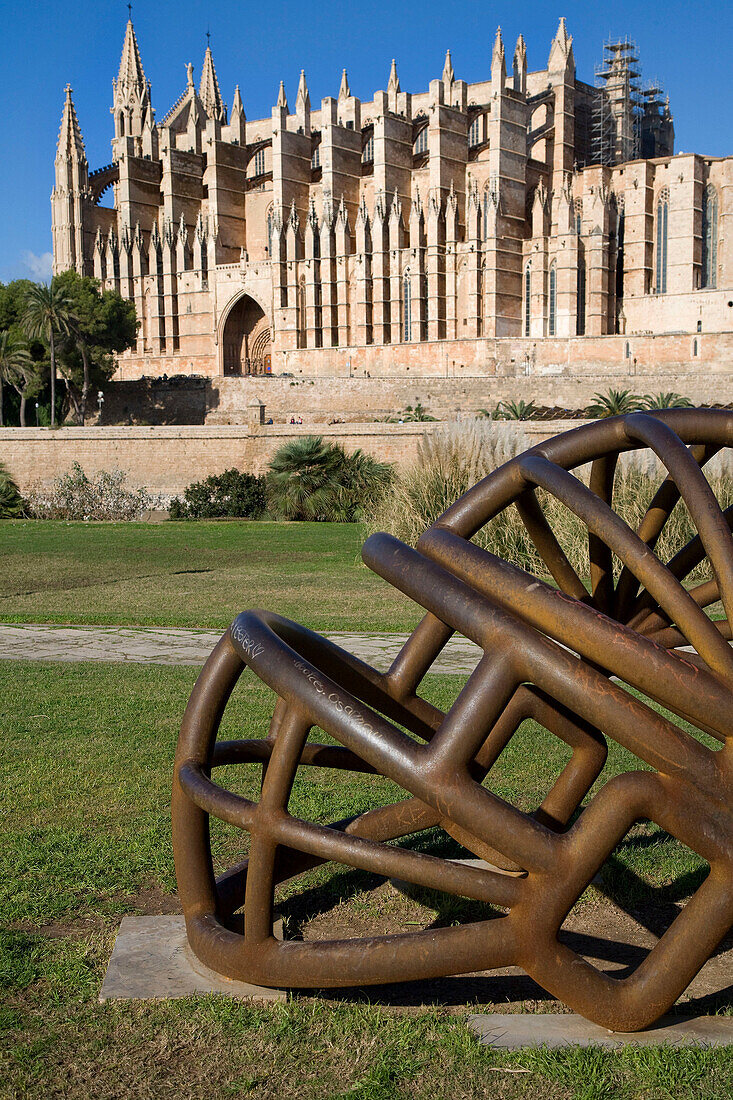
(104, 323)
(311, 479)
(613, 403)
(48, 316)
(12, 505)
(669, 400)
(513, 410)
(17, 370)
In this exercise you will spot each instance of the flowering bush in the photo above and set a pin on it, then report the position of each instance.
(103, 496)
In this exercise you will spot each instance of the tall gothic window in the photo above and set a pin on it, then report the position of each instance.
(552, 312)
(474, 132)
(259, 167)
(367, 156)
(662, 230)
(527, 298)
(269, 232)
(580, 310)
(579, 217)
(421, 142)
(316, 157)
(406, 307)
(710, 238)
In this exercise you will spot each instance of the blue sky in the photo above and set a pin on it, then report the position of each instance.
(46, 44)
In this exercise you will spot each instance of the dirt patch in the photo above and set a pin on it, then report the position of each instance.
(150, 900)
(611, 939)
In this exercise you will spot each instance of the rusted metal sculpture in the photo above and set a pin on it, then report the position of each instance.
(549, 652)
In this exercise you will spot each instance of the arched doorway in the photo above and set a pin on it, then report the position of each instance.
(246, 339)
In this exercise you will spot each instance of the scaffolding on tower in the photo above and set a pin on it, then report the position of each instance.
(618, 105)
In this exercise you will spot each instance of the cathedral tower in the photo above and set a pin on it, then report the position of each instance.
(70, 194)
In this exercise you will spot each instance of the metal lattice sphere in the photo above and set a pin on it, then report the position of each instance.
(560, 653)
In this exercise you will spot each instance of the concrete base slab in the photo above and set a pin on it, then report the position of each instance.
(515, 1032)
(151, 960)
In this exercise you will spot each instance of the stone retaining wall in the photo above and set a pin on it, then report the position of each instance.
(167, 459)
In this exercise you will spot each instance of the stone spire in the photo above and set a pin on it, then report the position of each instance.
(70, 144)
(519, 66)
(209, 93)
(498, 60)
(303, 99)
(561, 50)
(448, 75)
(237, 105)
(344, 90)
(131, 94)
(282, 99)
(131, 76)
(394, 81)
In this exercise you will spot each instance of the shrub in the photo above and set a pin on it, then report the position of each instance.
(613, 403)
(100, 497)
(311, 479)
(458, 455)
(12, 505)
(227, 495)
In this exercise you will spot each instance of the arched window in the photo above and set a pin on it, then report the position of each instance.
(578, 217)
(710, 238)
(662, 230)
(421, 142)
(259, 163)
(122, 124)
(367, 155)
(269, 232)
(407, 307)
(552, 311)
(474, 132)
(694, 347)
(527, 299)
(627, 350)
(316, 157)
(580, 309)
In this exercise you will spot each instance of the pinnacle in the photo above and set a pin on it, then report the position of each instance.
(131, 73)
(303, 98)
(344, 90)
(281, 97)
(209, 93)
(394, 80)
(237, 105)
(70, 140)
(448, 74)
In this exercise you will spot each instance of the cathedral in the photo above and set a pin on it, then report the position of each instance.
(465, 223)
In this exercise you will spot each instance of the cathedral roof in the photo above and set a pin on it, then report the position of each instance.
(209, 93)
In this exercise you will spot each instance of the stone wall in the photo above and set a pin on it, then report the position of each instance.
(167, 459)
(466, 376)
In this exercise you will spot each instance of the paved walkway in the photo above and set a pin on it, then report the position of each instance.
(168, 646)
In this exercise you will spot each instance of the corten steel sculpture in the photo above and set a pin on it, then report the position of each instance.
(548, 653)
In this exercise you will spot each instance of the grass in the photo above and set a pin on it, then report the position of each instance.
(85, 774)
(193, 575)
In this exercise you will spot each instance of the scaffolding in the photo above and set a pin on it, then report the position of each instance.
(618, 105)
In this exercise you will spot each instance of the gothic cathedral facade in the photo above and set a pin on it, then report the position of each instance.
(530, 206)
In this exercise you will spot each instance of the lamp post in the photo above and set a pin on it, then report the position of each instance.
(36, 414)
(100, 402)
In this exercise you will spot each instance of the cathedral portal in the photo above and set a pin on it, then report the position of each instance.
(246, 339)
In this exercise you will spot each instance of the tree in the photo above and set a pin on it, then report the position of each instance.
(312, 479)
(17, 370)
(669, 400)
(48, 316)
(613, 403)
(104, 323)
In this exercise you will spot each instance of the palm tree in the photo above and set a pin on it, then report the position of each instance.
(48, 313)
(613, 403)
(668, 400)
(515, 410)
(303, 478)
(15, 368)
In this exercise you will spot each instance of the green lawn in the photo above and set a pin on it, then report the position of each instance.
(85, 774)
(198, 574)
